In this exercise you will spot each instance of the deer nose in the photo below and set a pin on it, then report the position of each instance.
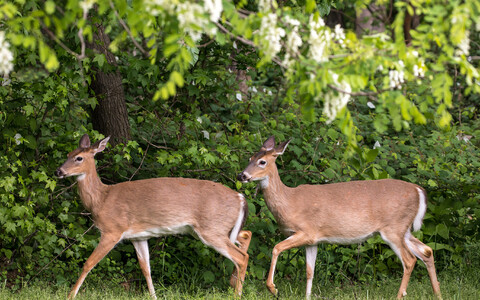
(58, 172)
(242, 177)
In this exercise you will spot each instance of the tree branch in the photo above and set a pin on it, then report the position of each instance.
(124, 25)
(58, 41)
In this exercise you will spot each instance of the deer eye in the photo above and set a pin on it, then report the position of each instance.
(262, 162)
(78, 158)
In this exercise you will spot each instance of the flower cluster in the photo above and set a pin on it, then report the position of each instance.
(319, 40)
(335, 101)
(419, 69)
(271, 35)
(464, 46)
(294, 41)
(190, 15)
(397, 77)
(339, 35)
(6, 56)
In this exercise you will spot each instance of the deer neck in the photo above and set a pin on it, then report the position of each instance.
(91, 190)
(275, 194)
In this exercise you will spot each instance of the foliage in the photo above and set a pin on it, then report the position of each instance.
(201, 124)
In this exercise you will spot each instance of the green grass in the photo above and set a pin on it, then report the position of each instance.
(453, 286)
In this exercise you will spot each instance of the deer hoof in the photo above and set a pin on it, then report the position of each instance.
(273, 290)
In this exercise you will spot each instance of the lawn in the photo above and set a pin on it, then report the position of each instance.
(453, 285)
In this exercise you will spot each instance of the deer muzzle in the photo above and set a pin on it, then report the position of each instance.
(244, 177)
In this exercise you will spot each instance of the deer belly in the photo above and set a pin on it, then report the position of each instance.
(156, 232)
(345, 240)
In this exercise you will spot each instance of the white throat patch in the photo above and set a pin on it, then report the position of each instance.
(263, 182)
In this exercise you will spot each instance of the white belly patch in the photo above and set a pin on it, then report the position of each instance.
(345, 240)
(157, 232)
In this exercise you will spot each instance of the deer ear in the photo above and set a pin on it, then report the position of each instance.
(84, 142)
(281, 148)
(269, 144)
(100, 145)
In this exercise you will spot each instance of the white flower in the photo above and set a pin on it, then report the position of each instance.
(199, 120)
(464, 46)
(377, 145)
(17, 138)
(6, 56)
(266, 5)
(419, 69)
(319, 40)
(215, 8)
(206, 134)
(191, 16)
(339, 35)
(291, 21)
(87, 5)
(396, 78)
(294, 41)
(371, 105)
(238, 96)
(271, 35)
(335, 101)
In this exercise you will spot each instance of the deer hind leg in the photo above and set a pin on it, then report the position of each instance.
(408, 259)
(107, 242)
(141, 247)
(243, 239)
(311, 256)
(425, 254)
(224, 246)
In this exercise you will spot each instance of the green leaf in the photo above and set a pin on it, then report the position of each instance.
(100, 59)
(209, 277)
(442, 230)
(49, 7)
(310, 6)
(371, 155)
(177, 78)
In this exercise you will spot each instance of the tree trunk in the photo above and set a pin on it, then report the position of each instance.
(370, 20)
(411, 22)
(110, 116)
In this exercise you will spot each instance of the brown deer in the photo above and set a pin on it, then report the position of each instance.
(342, 213)
(142, 209)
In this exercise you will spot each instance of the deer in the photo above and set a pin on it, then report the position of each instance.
(148, 208)
(341, 213)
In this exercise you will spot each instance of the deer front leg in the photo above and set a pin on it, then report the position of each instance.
(107, 242)
(296, 240)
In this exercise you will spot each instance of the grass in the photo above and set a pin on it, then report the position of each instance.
(453, 286)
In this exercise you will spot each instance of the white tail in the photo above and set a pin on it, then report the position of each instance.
(139, 210)
(342, 213)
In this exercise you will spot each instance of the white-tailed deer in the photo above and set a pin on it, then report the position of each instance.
(342, 213)
(139, 210)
